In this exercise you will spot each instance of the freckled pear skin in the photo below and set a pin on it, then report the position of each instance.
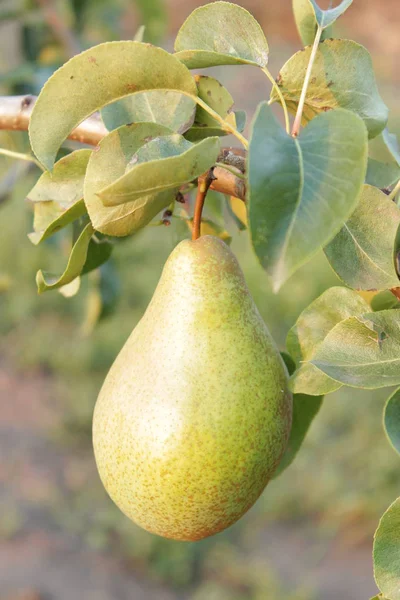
(194, 415)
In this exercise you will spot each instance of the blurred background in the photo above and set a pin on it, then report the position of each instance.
(310, 534)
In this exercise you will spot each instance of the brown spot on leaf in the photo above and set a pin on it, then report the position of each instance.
(131, 87)
(92, 60)
(330, 84)
(314, 80)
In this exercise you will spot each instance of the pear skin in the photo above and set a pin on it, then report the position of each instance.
(195, 413)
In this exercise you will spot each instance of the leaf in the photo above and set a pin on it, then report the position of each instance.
(301, 191)
(362, 253)
(326, 18)
(209, 227)
(64, 184)
(391, 419)
(363, 351)
(76, 262)
(97, 77)
(102, 297)
(221, 33)
(50, 218)
(240, 118)
(384, 301)
(342, 77)
(57, 196)
(99, 252)
(171, 109)
(386, 552)
(106, 165)
(384, 160)
(237, 210)
(305, 408)
(164, 163)
(306, 22)
(219, 99)
(310, 330)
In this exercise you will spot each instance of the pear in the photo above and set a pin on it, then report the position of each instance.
(194, 415)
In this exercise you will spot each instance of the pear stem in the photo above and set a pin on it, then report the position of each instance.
(204, 184)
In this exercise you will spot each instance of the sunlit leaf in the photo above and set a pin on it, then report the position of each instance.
(57, 196)
(221, 33)
(107, 165)
(363, 351)
(164, 163)
(95, 78)
(387, 552)
(301, 191)
(362, 253)
(76, 262)
(168, 108)
(219, 99)
(342, 77)
(311, 328)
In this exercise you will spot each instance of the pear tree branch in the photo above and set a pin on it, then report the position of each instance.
(15, 112)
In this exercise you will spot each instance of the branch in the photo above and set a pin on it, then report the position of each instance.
(15, 112)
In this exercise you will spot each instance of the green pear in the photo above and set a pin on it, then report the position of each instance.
(195, 413)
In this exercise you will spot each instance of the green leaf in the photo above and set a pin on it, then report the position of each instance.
(326, 18)
(384, 160)
(301, 191)
(168, 108)
(310, 330)
(363, 351)
(57, 196)
(64, 184)
(386, 552)
(384, 301)
(219, 99)
(391, 419)
(306, 22)
(362, 253)
(305, 408)
(221, 33)
(97, 77)
(107, 165)
(342, 77)
(50, 218)
(76, 263)
(166, 162)
(99, 252)
(240, 118)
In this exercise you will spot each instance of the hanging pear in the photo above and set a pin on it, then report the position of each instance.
(194, 415)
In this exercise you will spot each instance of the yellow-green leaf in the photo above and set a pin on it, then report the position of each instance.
(95, 78)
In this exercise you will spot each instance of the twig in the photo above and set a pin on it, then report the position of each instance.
(21, 156)
(204, 184)
(59, 28)
(299, 113)
(15, 112)
(225, 125)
